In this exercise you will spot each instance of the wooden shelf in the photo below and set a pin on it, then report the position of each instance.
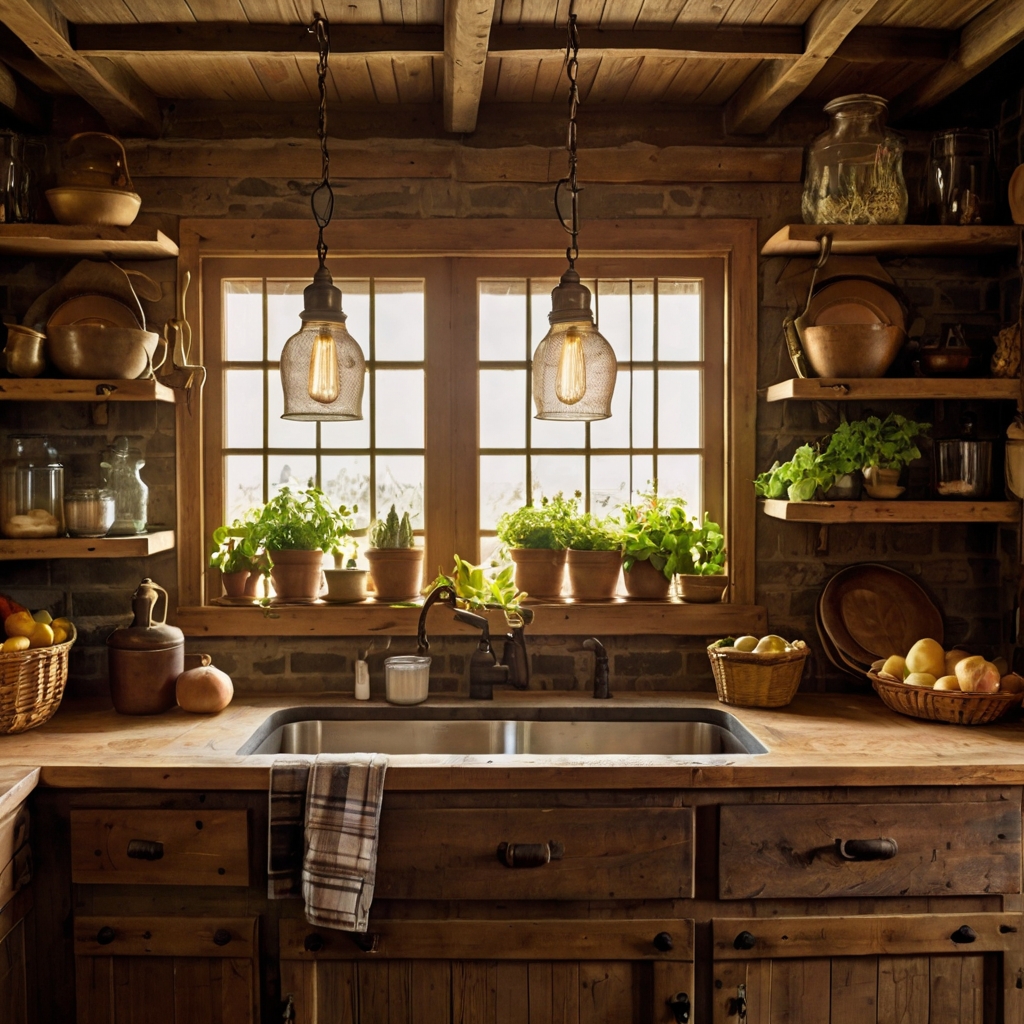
(892, 240)
(851, 389)
(44, 389)
(87, 547)
(894, 511)
(137, 242)
(370, 619)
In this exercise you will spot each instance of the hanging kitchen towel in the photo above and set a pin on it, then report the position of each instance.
(289, 779)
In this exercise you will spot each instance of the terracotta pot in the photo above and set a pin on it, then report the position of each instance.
(540, 572)
(236, 584)
(593, 575)
(346, 586)
(882, 484)
(646, 583)
(703, 589)
(297, 575)
(397, 573)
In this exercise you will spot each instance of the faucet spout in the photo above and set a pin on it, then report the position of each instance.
(444, 594)
(602, 690)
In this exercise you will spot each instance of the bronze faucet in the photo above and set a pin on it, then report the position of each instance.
(601, 688)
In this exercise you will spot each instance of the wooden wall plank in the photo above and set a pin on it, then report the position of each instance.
(801, 991)
(474, 992)
(512, 987)
(854, 989)
(903, 990)
(606, 993)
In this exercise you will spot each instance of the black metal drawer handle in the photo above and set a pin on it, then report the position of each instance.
(145, 849)
(964, 934)
(744, 941)
(529, 855)
(105, 936)
(221, 937)
(867, 849)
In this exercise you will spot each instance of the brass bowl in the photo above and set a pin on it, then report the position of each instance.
(852, 350)
(101, 207)
(88, 352)
(945, 361)
(24, 353)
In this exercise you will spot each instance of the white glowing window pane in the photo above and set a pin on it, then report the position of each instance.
(679, 409)
(679, 320)
(346, 481)
(613, 316)
(502, 320)
(399, 408)
(284, 304)
(285, 433)
(243, 485)
(243, 397)
(681, 476)
(502, 486)
(488, 549)
(643, 320)
(610, 481)
(296, 470)
(554, 473)
(398, 309)
(502, 408)
(540, 306)
(400, 483)
(243, 320)
(348, 433)
(355, 301)
(614, 432)
(556, 433)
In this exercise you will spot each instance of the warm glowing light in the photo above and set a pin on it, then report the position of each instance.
(571, 382)
(324, 385)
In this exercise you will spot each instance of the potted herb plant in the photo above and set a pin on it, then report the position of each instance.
(295, 528)
(704, 580)
(396, 564)
(656, 539)
(594, 557)
(536, 537)
(235, 554)
(889, 446)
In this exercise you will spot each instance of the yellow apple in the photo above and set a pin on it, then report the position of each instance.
(927, 656)
(895, 667)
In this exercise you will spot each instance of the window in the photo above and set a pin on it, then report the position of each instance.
(448, 329)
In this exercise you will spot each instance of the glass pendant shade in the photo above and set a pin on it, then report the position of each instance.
(574, 367)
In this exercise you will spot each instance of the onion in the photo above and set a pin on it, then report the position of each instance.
(205, 690)
(976, 675)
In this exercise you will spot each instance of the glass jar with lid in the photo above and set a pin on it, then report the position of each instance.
(855, 169)
(122, 464)
(31, 489)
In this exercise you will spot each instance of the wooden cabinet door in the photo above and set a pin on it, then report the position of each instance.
(13, 992)
(166, 970)
(489, 972)
(931, 969)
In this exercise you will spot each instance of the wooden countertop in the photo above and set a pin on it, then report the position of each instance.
(818, 740)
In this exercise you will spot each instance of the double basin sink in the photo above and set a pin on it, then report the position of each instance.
(540, 731)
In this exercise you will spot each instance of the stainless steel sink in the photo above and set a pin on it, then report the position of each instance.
(534, 731)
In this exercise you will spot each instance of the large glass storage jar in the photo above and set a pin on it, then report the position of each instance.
(31, 489)
(123, 463)
(855, 169)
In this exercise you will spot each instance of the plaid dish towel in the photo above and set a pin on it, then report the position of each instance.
(327, 828)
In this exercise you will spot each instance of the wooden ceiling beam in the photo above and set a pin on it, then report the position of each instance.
(467, 33)
(18, 101)
(125, 103)
(767, 92)
(984, 39)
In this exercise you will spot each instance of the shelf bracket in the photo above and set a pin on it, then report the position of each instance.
(821, 544)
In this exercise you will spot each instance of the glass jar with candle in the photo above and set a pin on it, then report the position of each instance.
(31, 489)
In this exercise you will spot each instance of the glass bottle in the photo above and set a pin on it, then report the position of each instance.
(855, 169)
(31, 489)
(963, 186)
(131, 495)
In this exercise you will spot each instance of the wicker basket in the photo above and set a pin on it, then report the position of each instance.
(944, 705)
(31, 685)
(757, 680)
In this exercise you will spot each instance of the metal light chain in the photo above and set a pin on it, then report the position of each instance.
(572, 50)
(322, 200)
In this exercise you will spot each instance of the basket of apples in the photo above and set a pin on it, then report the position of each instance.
(946, 686)
(757, 673)
(33, 665)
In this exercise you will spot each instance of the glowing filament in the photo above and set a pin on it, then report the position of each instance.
(324, 385)
(571, 381)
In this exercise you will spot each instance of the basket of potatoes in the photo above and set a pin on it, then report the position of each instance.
(757, 673)
(946, 686)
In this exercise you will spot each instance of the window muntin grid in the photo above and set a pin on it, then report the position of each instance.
(656, 327)
(370, 462)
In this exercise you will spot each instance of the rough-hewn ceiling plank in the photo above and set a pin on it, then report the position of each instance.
(985, 38)
(467, 31)
(124, 102)
(768, 92)
(18, 101)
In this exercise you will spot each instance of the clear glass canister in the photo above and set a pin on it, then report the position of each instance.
(123, 464)
(89, 511)
(855, 169)
(31, 489)
(963, 187)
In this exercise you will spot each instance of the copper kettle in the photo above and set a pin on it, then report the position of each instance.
(146, 657)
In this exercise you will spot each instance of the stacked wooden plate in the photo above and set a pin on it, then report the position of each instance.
(868, 611)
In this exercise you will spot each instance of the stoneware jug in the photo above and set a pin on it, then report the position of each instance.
(146, 657)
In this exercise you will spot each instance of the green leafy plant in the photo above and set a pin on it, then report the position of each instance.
(302, 521)
(545, 526)
(480, 586)
(658, 530)
(708, 549)
(889, 443)
(234, 547)
(589, 533)
(391, 532)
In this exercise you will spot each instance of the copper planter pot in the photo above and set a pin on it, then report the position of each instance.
(397, 573)
(297, 575)
(593, 575)
(703, 589)
(540, 572)
(645, 583)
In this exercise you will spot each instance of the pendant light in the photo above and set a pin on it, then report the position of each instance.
(322, 366)
(574, 367)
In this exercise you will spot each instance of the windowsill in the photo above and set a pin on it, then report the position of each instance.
(619, 617)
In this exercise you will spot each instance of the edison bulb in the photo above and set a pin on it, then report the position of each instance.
(324, 385)
(571, 381)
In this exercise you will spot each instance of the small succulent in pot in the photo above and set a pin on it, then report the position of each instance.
(396, 564)
(594, 558)
(536, 537)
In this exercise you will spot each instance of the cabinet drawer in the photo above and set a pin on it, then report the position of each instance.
(152, 847)
(943, 849)
(607, 853)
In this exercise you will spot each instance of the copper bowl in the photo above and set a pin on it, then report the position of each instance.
(852, 350)
(88, 352)
(945, 361)
(82, 204)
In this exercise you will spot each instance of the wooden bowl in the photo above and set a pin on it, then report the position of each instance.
(852, 350)
(82, 204)
(944, 705)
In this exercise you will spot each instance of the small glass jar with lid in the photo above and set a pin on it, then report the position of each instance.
(31, 489)
(122, 464)
(855, 169)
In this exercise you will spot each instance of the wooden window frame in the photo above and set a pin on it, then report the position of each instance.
(451, 382)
